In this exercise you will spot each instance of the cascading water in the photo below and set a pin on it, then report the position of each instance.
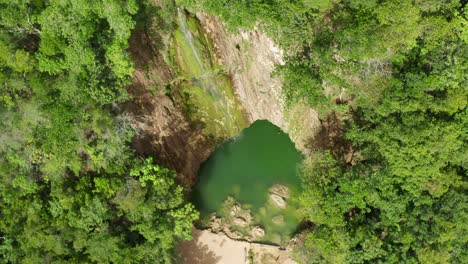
(189, 38)
(222, 111)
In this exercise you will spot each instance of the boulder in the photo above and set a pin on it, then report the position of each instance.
(279, 194)
(278, 200)
(280, 190)
(239, 221)
(235, 209)
(257, 232)
(216, 224)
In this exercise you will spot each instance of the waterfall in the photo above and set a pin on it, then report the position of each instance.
(207, 79)
(189, 37)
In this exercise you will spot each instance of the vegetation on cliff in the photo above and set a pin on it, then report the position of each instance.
(395, 72)
(71, 188)
(391, 75)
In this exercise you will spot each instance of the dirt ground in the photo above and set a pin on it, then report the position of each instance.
(210, 248)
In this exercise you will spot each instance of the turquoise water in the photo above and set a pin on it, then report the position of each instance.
(245, 168)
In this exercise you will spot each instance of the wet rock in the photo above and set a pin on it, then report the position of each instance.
(239, 221)
(216, 224)
(278, 200)
(257, 232)
(232, 234)
(279, 194)
(235, 209)
(280, 190)
(235, 214)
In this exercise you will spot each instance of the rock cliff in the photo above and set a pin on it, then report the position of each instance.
(163, 130)
(250, 57)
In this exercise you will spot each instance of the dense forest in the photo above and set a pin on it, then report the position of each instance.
(71, 188)
(394, 73)
(390, 75)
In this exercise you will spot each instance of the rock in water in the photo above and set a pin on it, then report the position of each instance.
(281, 190)
(279, 194)
(235, 209)
(278, 200)
(216, 224)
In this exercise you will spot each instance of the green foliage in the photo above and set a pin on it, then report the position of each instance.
(72, 45)
(398, 69)
(15, 64)
(71, 189)
(248, 13)
(392, 205)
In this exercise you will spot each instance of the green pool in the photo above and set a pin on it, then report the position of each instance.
(246, 168)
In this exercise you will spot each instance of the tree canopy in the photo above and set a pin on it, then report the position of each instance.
(396, 73)
(71, 188)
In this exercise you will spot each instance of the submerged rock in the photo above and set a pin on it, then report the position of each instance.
(235, 209)
(279, 220)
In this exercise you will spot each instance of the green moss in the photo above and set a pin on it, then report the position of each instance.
(184, 57)
(205, 90)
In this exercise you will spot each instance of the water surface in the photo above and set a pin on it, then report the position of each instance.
(245, 168)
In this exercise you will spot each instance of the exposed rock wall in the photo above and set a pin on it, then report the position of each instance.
(250, 58)
(162, 128)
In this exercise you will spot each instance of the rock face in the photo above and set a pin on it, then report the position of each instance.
(162, 128)
(250, 58)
